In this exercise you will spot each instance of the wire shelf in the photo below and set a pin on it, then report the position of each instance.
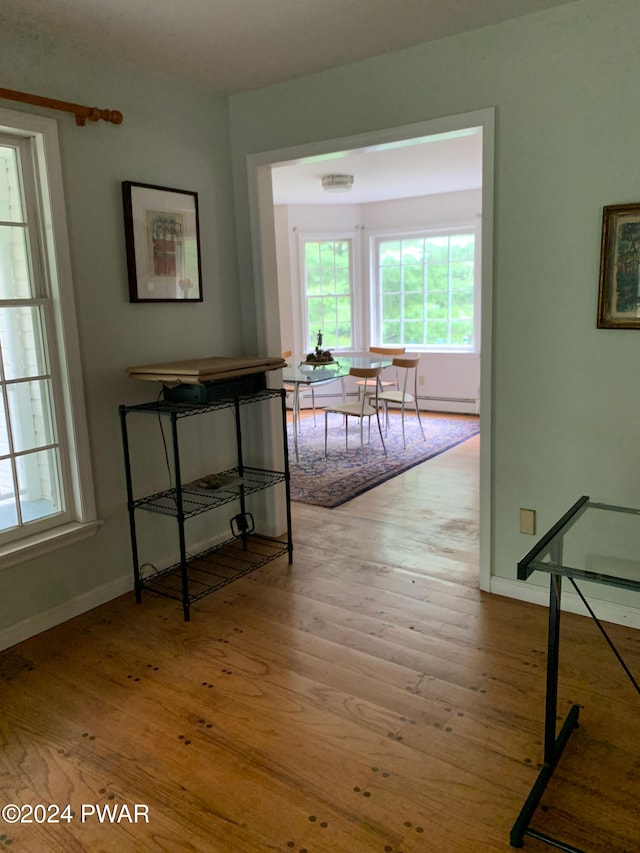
(216, 567)
(197, 500)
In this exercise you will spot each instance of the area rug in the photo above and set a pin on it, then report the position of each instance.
(341, 476)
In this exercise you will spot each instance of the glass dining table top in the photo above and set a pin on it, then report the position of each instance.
(308, 374)
(593, 541)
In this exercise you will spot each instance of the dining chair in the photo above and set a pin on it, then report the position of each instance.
(290, 389)
(408, 365)
(365, 407)
(389, 352)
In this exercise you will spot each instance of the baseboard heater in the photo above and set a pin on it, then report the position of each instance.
(472, 400)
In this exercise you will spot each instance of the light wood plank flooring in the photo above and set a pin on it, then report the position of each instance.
(366, 699)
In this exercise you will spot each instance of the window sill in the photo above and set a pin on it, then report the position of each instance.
(42, 543)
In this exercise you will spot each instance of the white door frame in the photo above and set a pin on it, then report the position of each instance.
(266, 276)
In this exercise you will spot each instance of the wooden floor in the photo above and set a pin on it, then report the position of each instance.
(366, 699)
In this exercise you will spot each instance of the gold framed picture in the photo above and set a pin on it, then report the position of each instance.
(619, 290)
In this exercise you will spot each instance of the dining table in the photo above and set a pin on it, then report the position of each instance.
(300, 373)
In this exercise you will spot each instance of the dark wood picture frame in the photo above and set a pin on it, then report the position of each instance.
(619, 290)
(162, 237)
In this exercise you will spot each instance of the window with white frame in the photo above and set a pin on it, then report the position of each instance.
(327, 270)
(425, 289)
(45, 481)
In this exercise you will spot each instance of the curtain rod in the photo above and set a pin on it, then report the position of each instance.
(81, 113)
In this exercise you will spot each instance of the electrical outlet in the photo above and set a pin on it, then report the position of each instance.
(420, 380)
(528, 521)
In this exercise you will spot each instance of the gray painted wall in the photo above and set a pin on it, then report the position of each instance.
(563, 82)
(172, 135)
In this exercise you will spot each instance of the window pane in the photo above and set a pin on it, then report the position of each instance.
(39, 492)
(413, 251)
(326, 254)
(327, 280)
(38, 348)
(391, 306)
(461, 247)
(5, 448)
(343, 308)
(343, 321)
(437, 333)
(390, 279)
(8, 511)
(437, 249)
(390, 252)
(391, 332)
(413, 332)
(10, 195)
(15, 281)
(314, 285)
(343, 335)
(413, 306)
(342, 254)
(437, 305)
(312, 254)
(315, 316)
(437, 277)
(328, 292)
(343, 281)
(461, 332)
(30, 415)
(426, 284)
(413, 278)
(38, 484)
(461, 273)
(462, 304)
(22, 342)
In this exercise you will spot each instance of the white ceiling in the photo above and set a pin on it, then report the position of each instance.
(231, 46)
(446, 162)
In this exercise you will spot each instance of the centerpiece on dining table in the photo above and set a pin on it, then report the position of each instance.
(319, 357)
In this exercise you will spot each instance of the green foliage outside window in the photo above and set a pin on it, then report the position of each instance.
(328, 292)
(426, 290)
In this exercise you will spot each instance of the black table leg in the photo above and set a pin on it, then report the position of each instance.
(553, 747)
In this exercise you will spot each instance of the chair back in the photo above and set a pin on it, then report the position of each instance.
(367, 373)
(390, 351)
(408, 361)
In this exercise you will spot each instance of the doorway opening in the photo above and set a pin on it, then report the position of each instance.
(408, 177)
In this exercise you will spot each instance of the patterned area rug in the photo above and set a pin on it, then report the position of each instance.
(341, 476)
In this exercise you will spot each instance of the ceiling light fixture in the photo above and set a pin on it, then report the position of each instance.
(337, 183)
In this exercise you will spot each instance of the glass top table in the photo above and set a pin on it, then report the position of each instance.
(595, 542)
(299, 373)
(308, 374)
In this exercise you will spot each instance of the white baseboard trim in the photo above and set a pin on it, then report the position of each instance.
(40, 622)
(56, 615)
(604, 610)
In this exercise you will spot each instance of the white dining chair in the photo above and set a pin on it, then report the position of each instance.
(365, 407)
(407, 364)
(389, 352)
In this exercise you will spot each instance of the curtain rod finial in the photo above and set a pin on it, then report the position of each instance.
(94, 114)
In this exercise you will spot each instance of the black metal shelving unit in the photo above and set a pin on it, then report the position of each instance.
(194, 577)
